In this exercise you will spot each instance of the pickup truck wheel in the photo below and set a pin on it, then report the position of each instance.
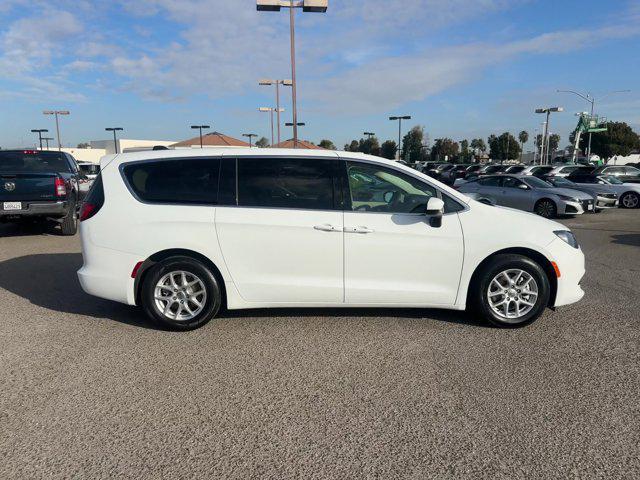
(511, 291)
(180, 293)
(69, 225)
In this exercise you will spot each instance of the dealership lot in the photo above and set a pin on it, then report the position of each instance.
(91, 389)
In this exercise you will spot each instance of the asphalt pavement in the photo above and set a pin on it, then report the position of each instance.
(91, 389)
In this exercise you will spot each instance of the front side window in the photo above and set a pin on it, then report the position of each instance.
(490, 181)
(510, 182)
(378, 189)
(305, 183)
(181, 181)
(537, 183)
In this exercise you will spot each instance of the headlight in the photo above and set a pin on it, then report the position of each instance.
(568, 237)
(569, 199)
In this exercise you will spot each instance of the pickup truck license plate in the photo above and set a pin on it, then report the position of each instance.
(12, 206)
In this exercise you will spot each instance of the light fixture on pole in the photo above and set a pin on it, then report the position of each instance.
(200, 127)
(46, 139)
(546, 111)
(589, 98)
(319, 6)
(250, 136)
(57, 113)
(271, 110)
(399, 119)
(369, 135)
(277, 83)
(39, 131)
(115, 140)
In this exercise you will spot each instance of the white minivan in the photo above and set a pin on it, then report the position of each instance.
(187, 233)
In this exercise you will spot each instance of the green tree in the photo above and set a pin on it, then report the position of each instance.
(389, 149)
(328, 144)
(478, 145)
(412, 143)
(619, 139)
(354, 146)
(370, 146)
(83, 145)
(504, 147)
(554, 141)
(262, 143)
(444, 147)
(523, 136)
(465, 153)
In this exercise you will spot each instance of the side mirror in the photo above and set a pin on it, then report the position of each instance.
(435, 210)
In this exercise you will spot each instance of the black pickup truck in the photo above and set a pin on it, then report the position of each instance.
(40, 185)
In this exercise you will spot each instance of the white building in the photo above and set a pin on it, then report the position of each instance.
(124, 144)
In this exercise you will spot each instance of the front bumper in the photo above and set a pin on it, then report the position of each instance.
(606, 202)
(570, 262)
(42, 209)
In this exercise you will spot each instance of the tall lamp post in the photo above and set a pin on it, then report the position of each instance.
(592, 100)
(399, 119)
(46, 139)
(57, 113)
(277, 83)
(39, 131)
(200, 127)
(319, 6)
(250, 135)
(546, 111)
(271, 110)
(115, 140)
(369, 135)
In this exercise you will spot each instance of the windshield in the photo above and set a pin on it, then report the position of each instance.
(612, 180)
(37, 162)
(536, 182)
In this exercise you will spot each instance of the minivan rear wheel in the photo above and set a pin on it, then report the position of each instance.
(181, 293)
(511, 291)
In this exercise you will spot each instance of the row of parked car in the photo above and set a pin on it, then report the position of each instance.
(548, 190)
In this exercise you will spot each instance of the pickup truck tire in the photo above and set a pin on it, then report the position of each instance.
(69, 225)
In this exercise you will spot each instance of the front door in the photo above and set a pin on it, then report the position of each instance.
(392, 253)
(283, 242)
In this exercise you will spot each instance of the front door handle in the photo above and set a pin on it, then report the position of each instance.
(362, 230)
(327, 228)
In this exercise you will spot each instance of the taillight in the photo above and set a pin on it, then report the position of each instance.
(29, 152)
(87, 211)
(61, 189)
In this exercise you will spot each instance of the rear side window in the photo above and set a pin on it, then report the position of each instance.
(33, 161)
(182, 181)
(287, 183)
(489, 182)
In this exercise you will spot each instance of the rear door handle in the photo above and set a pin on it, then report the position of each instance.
(358, 230)
(327, 228)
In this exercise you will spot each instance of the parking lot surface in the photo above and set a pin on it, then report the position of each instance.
(90, 389)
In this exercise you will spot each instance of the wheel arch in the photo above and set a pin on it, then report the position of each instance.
(157, 257)
(537, 257)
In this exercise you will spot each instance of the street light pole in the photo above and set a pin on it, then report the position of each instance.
(200, 128)
(277, 83)
(592, 100)
(46, 139)
(399, 119)
(56, 113)
(545, 139)
(115, 140)
(250, 135)
(307, 6)
(369, 135)
(40, 131)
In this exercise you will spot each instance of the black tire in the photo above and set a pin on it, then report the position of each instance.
(479, 290)
(69, 225)
(630, 200)
(212, 303)
(546, 208)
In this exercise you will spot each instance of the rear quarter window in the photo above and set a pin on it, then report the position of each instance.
(179, 181)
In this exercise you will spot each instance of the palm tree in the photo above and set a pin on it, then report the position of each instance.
(523, 136)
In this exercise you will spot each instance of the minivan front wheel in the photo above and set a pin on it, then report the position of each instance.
(181, 293)
(511, 291)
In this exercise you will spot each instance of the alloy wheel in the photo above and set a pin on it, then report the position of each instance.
(630, 200)
(512, 294)
(180, 296)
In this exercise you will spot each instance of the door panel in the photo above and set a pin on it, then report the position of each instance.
(402, 259)
(283, 256)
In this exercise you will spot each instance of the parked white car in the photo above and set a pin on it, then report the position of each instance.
(187, 233)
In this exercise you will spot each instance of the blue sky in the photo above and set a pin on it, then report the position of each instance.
(461, 68)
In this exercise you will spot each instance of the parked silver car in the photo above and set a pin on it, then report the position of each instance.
(628, 193)
(529, 193)
(606, 195)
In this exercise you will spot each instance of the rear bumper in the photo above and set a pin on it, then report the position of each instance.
(42, 209)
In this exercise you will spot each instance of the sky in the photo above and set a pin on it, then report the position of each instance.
(460, 68)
